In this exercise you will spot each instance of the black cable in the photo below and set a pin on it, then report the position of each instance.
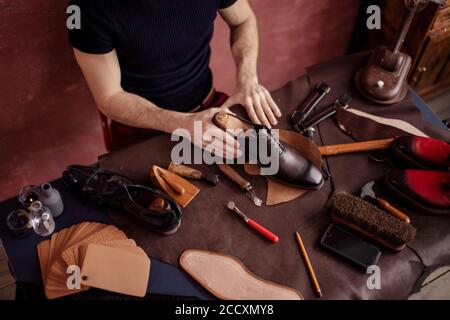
(418, 256)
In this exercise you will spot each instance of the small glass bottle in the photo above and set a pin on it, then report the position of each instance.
(43, 223)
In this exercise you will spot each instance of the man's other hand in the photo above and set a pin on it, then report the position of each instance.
(213, 139)
(257, 101)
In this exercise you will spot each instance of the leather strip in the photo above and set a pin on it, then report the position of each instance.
(399, 124)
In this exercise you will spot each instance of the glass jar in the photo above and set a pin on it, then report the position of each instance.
(19, 222)
(28, 195)
(42, 219)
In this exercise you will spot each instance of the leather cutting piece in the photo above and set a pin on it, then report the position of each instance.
(364, 126)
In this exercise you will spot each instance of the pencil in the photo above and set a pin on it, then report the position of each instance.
(309, 265)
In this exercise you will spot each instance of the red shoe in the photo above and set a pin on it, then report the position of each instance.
(426, 190)
(422, 153)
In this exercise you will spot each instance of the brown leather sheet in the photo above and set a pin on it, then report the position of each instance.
(208, 225)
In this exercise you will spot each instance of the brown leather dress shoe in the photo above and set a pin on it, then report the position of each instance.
(292, 168)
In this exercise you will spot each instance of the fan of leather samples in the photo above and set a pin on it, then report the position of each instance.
(106, 258)
(228, 278)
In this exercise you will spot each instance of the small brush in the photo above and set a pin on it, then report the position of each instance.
(369, 220)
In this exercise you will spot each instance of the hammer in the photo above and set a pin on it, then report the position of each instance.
(367, 193)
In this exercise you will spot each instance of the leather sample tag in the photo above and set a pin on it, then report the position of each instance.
(116, 270)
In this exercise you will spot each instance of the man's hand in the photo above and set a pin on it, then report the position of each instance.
(212, 138)
(257, 101)
(255, 98)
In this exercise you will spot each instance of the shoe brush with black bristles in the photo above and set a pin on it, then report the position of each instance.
(371, 221)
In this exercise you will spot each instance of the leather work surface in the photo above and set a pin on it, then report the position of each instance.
(208, 225)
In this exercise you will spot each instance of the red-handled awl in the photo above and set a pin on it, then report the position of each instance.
(253, 224)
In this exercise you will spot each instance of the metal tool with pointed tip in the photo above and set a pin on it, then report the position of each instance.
(241, 182)
(253, 224)
(367, 193)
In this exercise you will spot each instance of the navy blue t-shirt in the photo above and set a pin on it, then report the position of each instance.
(163, 46)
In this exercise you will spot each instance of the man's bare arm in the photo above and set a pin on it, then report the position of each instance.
(244, 42)
(102, 73)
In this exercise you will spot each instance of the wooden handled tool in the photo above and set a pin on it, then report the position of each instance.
(194, 174)
(392, 210)
(181, 190)
(234, 176)
(241, 182)
(175, 186)
(372, 145)
(368, 193)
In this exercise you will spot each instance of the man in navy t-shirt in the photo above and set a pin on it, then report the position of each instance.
(147, 63)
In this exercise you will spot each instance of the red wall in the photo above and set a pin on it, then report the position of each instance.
(293, 35)
(47, 117)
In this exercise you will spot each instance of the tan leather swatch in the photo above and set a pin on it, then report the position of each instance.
(116, 270)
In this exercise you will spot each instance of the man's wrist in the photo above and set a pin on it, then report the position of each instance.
(175, 120)
(246, 77)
